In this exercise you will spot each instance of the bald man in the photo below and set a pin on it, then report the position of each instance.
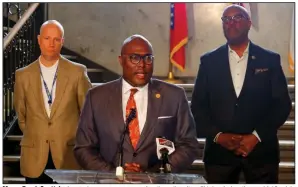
(48, 98)
(161, 111)
(239, 102)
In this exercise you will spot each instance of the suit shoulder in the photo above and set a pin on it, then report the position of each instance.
(105, 86)
(165, 85)
(265, 51)
(215, 52)
(74, 65)
(26, 69)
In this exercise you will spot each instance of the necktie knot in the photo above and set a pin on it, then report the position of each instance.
(133, 91)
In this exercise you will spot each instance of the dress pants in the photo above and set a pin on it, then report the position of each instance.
(253, 173)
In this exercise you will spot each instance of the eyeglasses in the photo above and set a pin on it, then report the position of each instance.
(236, 18)
(135, 58)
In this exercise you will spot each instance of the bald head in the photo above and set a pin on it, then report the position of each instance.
(132, 38)
(52, 23)
(243, 10)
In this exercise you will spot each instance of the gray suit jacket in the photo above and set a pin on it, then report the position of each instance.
(101, 125)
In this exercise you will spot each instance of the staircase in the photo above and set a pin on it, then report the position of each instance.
(17, 55)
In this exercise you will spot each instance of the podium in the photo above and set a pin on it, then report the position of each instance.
(99, 177)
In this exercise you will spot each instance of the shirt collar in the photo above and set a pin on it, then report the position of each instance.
(126, 87)
(55, 65)
(245, 51)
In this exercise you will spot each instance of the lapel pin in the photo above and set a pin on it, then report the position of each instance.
(157, 95)
(253, 57)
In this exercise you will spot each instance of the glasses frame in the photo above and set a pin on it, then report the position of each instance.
(142, 57)
(236, 18)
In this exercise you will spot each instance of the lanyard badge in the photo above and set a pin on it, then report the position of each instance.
(49, 94)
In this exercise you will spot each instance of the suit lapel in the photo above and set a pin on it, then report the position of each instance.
(115, 100)
(251, 62)
(35, 83)
(61, 84)
(154, 104)
(226, 78)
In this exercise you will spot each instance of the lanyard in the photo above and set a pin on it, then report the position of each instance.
(50, 101)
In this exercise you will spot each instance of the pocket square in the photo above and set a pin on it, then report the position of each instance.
(260, 70)
(164, 117)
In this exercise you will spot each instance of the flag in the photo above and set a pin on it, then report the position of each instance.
(291, 51)
(178, 35)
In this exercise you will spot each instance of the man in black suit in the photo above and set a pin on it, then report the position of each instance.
(239, 101)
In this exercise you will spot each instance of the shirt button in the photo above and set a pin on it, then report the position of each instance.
(50, 123)
(47, 141)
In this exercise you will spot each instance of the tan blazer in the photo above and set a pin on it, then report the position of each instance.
(57, 132)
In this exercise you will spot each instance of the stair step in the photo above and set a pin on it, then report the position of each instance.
(94, 70)
(191, 86)
(198, 162)
(70, 57)
(282, 165)
(17, 180)
(283, 143)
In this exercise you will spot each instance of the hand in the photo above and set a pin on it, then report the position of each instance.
(247, 144)
(132, 167)
(229, 141)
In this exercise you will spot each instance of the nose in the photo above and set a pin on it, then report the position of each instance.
(231, 22)
(52, 43)
(141, 63)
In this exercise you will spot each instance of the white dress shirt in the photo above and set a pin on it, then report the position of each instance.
(238, 67)
(141, 99)
(48, 74)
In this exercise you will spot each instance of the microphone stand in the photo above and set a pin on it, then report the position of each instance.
(165, 166)
(119, 169)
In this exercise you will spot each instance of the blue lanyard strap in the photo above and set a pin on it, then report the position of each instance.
(49, 94)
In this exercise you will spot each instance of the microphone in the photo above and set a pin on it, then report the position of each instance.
(119, 169)
(165, 166)
(164, 149)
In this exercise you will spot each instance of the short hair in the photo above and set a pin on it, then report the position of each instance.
(55, 22)
(133, 37)
(241, 8)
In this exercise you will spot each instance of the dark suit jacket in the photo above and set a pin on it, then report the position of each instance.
(101, 125)
(263, 104)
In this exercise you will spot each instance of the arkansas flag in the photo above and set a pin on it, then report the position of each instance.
(178, 35)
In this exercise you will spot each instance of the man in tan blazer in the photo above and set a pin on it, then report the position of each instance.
(48, 97)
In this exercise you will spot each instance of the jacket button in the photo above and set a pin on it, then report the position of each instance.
(50, 123)
(134, 154)
(47, 141)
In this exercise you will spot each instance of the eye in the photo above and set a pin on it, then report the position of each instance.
(135, 57)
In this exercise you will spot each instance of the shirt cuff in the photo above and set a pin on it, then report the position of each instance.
(256, 134)
(217, 135)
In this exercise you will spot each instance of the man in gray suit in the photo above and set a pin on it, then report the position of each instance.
(161, 111)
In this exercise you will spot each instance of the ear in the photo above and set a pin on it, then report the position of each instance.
(38, 39)
(62, 41)
(120, 60)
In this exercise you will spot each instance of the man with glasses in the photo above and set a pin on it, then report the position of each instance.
(239, 101)
(161, 110)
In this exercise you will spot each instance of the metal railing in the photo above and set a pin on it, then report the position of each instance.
(21, 23)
